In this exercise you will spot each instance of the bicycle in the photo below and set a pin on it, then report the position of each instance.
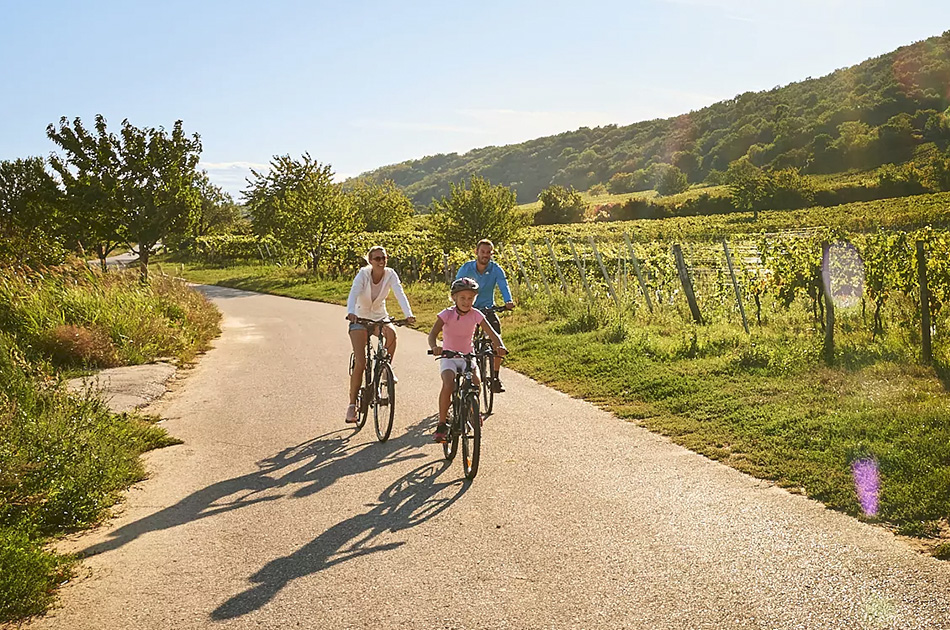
(380, 385)
(486, 361)
(465, 423)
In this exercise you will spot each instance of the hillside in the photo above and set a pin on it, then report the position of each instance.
(882, 110)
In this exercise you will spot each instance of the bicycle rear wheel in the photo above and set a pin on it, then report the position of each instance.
(471, 435)
(384, 406)
(485, 371)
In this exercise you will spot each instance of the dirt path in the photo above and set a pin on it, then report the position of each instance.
(273, 514)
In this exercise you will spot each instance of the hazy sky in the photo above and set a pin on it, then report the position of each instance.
(361, 84)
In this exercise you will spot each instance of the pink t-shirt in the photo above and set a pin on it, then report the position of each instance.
(458, 329)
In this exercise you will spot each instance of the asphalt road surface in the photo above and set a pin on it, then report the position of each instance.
(274, 514)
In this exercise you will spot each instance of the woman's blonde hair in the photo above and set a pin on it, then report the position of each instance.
(375, 248)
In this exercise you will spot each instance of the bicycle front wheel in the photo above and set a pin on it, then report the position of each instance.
(451, 446)
(471, 435)
(485, 371)
(364, 398)
(384, 407)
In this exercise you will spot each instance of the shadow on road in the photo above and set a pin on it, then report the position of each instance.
(299, 471)
(413, 499)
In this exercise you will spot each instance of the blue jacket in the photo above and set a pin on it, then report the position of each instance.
(486, 282)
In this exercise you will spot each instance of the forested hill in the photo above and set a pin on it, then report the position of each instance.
(879, 111)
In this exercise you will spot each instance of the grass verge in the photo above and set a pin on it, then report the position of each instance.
(64, 457)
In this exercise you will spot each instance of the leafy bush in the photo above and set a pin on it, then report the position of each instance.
(560, 205)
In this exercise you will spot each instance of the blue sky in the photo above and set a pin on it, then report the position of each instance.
(362, 84)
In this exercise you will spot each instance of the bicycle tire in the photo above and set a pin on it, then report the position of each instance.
(364, 398)
(451, 446)
(384, 405)
(471, 436)
(486, 368)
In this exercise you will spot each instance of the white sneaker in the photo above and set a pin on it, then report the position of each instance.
(351, 414)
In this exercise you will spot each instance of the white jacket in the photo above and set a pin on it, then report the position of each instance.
(361, 303)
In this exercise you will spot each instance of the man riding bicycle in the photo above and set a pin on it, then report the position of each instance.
(487, 273)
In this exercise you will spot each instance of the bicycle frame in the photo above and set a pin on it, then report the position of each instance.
(377, 375)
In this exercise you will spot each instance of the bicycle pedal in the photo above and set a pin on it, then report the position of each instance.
(383, 402)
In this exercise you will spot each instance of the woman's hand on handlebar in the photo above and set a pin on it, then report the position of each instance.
(411, 321)
(351, 317)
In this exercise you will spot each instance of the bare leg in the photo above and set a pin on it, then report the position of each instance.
(389, 337)
(445, 396)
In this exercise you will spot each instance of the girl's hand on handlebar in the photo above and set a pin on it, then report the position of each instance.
(436, 350)
(501, 351)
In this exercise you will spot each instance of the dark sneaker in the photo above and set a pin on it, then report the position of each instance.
(441, 434)
(497, 387)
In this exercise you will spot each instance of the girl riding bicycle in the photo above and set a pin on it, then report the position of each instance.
(367, 300)
(457, 325)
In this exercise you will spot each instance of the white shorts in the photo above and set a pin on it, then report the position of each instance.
(455, 364)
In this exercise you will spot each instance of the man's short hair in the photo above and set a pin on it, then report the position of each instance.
(485, 241)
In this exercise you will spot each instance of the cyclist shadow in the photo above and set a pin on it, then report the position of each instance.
(411, 500)
(315, 464)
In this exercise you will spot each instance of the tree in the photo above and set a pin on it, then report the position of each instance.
(31, 227)
(560, 205)
(384, 207)
(215, 212)
(300, 205)
(748, 185)
(144, 180)
(479, 211)
(670, 180)
(29, 198)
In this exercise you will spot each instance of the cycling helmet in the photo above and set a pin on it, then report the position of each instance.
(464, 284)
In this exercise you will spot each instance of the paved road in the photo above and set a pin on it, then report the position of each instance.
(273, 514)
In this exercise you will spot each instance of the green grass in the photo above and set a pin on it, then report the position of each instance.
(764, 404)
(64, 457)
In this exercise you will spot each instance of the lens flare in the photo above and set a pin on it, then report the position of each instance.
(843, 275)
(867, 484)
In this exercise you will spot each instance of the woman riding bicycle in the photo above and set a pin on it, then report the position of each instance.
(457, 325)
(367, 300)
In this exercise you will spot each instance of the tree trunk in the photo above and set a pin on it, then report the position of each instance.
(144, 252)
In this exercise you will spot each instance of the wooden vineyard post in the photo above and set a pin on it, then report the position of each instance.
(537, 261)
(603, 269)
(925, 341)
(557, 267)
(687, 283)
(621, 271)
(636, 270)
(445, 267)
(580, 270)
(735, 285)
(829, 348)
(524, 273)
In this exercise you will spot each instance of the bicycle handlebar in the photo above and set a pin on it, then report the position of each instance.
(495, 309)
(452, 354)
(381, 322)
